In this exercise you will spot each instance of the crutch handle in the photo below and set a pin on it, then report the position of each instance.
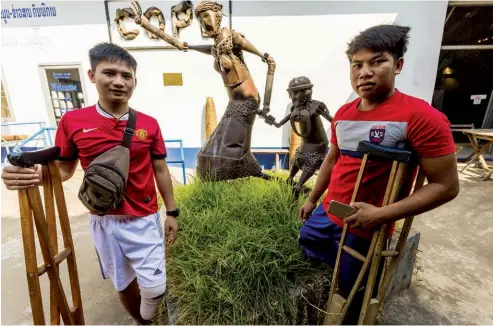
(383, 152)
(29, 159)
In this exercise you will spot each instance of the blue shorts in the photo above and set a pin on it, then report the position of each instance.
(319, 239)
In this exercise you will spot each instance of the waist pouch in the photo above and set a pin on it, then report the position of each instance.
(105, 179)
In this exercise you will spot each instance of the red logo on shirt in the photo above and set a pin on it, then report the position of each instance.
(376, 134)
(141, 134)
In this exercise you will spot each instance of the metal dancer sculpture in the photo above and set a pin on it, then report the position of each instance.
(226, 155)
(314, 142)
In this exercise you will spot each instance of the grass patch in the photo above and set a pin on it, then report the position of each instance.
(236, 259)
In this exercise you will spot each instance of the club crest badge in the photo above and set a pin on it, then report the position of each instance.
(141, 134)
(377, 133)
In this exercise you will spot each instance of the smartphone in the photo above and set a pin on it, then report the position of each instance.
(340, 210)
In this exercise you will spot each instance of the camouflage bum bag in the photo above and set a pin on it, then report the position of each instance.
(105, 178)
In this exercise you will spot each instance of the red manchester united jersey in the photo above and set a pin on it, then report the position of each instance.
(400, 119)
(86, 133)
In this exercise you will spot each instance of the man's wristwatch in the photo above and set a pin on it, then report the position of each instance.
(174, 213)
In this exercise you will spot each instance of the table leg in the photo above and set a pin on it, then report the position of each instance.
(488, 175)
(477, 154)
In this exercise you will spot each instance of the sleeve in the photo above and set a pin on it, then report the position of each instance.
(333, 132)
(333, 135)
(429, 133)
(158, 148)
(68, 150)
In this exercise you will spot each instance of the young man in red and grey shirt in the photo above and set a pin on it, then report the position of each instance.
(387, 117)
(129, 240)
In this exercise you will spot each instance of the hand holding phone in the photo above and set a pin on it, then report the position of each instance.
(340, 210)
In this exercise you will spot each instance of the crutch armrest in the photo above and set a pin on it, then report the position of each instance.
(29, 159)
(383, 152)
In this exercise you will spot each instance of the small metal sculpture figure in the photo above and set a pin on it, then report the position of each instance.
(226, 155)
(314, 142)
(181, 16)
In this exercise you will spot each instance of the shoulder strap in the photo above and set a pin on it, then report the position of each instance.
(129, 131)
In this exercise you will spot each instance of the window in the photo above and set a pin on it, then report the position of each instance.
(65, 90)
(6, 109)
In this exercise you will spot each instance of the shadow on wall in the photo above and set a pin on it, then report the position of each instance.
(286, 129)
(202, 126)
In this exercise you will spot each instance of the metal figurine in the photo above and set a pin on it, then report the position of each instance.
(314, 142)
(226, 155)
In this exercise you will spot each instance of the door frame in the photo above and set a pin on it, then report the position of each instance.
(463, 3)
(7, 98)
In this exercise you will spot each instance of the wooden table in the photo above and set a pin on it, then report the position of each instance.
(474, 135)
(275, 151)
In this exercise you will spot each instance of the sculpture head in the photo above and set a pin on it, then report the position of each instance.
(300, 90)
(209, 14)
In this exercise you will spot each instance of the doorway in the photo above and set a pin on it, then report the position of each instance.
(463, 86)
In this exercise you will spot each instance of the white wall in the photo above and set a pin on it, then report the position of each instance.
(64, 39)
(310, 37)
(305, 38)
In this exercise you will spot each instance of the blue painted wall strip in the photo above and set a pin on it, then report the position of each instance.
(190, 153)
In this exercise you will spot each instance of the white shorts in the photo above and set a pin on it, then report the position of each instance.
(129, 249)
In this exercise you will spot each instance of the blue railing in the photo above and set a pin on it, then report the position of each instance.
(179, 161)
(42, 134)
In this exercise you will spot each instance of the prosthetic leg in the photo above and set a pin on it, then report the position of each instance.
(337, 306)
(30, 204)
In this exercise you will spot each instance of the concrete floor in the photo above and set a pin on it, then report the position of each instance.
(100, 301)
(453, 282)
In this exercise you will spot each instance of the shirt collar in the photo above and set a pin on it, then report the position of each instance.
(107, 115)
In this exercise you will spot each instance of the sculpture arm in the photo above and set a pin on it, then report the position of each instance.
(206, 49)
(249, 47)
(324, 111)
(283, 121)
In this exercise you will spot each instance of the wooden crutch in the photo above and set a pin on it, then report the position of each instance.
(372, 304)
(337, 305)
(31, 205)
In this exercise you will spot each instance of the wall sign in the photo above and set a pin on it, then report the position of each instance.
(65, 90)
(172, 79)
(22, 11)
(477, 98)
(51, 13)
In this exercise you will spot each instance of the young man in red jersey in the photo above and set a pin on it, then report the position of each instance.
(387, 117)
(129, 240)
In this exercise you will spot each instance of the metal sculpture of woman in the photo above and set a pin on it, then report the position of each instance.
(226, 154)
(314, 142)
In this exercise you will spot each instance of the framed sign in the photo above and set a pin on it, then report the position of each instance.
(162, 14)
(64, 89)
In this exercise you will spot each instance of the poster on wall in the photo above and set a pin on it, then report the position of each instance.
(65, 90)
(175, 18)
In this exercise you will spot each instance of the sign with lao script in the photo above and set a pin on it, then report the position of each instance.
(51, 13)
